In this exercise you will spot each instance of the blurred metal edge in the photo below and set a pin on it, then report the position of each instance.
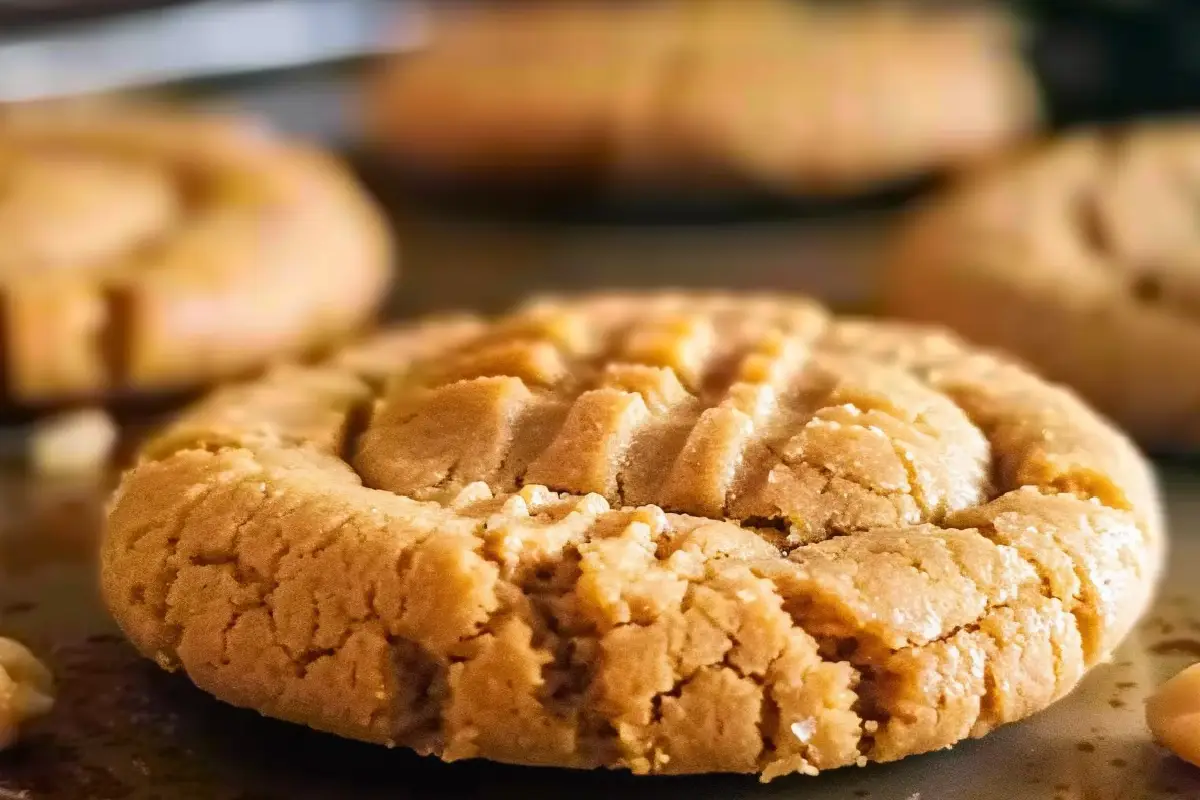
(27, 14)
(209, 39)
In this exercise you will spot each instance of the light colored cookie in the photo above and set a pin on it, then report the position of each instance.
(671, 533)
(1083, 259)
(800, 98)
(144, 249)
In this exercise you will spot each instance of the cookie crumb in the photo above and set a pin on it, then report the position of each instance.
(76, 443)
(26, 689)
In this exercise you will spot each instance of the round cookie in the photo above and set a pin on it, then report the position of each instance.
(670, 533)
(1083, 259)
(143, 249)
(800, 98)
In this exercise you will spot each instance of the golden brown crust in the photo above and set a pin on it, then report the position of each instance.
(672, 533)
(1079, 258)
(142, 249)
(801, 99)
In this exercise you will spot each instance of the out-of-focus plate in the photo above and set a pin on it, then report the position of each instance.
(122, 45)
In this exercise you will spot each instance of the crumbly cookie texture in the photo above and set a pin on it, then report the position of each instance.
(1082, 259)
(672, 533)
(26, 689)
(798, 97)
(144, 249)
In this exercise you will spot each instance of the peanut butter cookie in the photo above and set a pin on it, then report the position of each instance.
(1083, 259)
(143, 249)
(669, 533)
(800, 98)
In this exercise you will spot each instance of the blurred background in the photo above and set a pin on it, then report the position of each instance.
(510, 148)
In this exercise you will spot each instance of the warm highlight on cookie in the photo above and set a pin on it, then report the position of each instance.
(142, 249)
(1084, 260)
(803, 98)
(668, 533)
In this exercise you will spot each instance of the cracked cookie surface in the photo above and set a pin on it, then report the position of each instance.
(796, 97)
(143, 249)
(673, 533)
(1083, 259)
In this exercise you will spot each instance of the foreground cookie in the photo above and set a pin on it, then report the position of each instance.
(799, 98)
(1083, 260)
(668, 533)
(142, 249)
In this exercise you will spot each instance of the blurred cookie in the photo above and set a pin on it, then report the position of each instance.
(802, 98)
(1084, 260)
(672, 533)
(143, 249)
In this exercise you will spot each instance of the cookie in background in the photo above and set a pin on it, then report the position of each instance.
(795, 98)
(1082, 258)
(145, 248)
